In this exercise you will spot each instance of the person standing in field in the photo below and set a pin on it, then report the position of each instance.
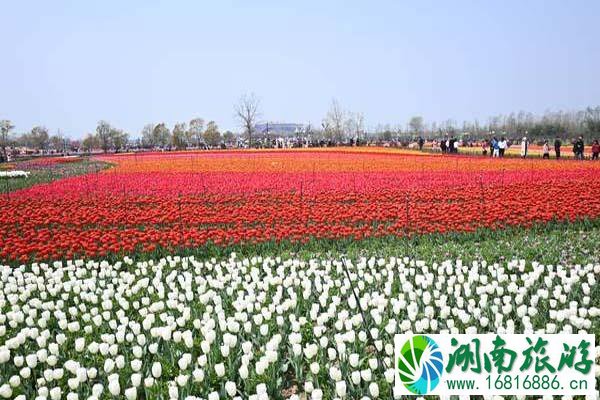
(546, 150)
(495, 148)
(579, 148)
(443, 145)
(595, 150)
(557, 144)
(524, 146)
(421, 143)
(502, 145)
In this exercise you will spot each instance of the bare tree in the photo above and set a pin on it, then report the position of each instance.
(355, 124)
(592, 120)
(5, 127)
(247, 112)
(334, 122)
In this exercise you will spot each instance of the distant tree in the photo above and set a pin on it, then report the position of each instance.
(119, 139)
(103, 130)
(212, 136)
(386, 135)
(161, 136)
(416, 125)
(38, 137)
(58, 142)
(180, 138)
(90, 143)
(5, 127)
(195, 132)
(449, 126)
(355, 124)
(228, 137)
(592, 120)
(334, 122)
(147, 137)
(247, 112)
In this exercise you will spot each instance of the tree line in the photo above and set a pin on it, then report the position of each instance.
(107, 137)
(338, 126)
(182, 136)
(551, 124)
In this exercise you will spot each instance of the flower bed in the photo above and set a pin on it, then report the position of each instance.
(259, 327)
(14, 174)
(187, 200)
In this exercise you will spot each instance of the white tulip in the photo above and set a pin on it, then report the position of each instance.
(109, 365)
(25, 372)
(156, 369)
(173, 392)
(308, 387)
(243, 372)
(131, 393)
(230, 388)
(31, 361)
(136, 379)
(314, 368)
(335, 374)
(316, 394)
(374, 389)
(6, 391)
(55, 393)
(365, 375)
(79, 344)
(14, 381)
(136, 365)
(182, 380)
(340, 388)
(73, 383)
(92, 373)
(198, 375)
(113, 387)
(97, 389)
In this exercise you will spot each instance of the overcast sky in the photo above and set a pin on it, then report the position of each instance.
(68, 64)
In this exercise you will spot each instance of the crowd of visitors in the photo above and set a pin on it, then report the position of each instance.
(449, 145)
(497, 148)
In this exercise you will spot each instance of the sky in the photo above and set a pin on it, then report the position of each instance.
(68, 64)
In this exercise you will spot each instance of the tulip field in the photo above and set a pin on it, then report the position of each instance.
(282, 274)
(180, 201)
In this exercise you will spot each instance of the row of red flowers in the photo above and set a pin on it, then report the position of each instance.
(141, 207)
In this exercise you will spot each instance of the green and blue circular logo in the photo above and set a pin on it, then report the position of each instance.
(420, 364)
